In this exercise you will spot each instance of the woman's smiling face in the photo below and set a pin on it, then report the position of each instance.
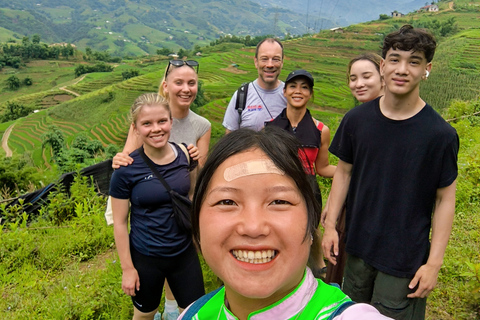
(297, 92)
(365, 81)
(252, 228)
(181, 86)
(153, 125)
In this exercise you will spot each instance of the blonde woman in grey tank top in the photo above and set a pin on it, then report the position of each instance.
(180, 87)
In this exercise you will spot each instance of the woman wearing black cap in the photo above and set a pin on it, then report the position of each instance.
(312, 134)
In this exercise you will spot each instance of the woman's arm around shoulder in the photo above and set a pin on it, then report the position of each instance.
(203, 144)
(322, 165)
(122, 158)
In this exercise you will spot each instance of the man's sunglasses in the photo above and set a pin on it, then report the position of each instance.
(179, 63)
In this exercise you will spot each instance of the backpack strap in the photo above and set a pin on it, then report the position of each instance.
(192, 164)
(198, 304)
(241, 100)
(183, 146)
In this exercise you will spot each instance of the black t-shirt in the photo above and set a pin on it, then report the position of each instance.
(153, 229)
(397, 168)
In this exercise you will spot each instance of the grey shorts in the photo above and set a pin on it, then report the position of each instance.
(363, 283)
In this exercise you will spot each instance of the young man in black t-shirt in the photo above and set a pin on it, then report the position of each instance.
(398, 165)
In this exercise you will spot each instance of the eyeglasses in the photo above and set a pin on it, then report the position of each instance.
(179, 63)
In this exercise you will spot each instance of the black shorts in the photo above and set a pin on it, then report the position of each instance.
(183, 272)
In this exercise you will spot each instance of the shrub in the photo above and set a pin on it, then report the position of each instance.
(130, 74)
(28, 81)
(15, 111)
(17, 173)
(13, 83)
(99, 67)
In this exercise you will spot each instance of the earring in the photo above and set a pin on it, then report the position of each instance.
(427, 73)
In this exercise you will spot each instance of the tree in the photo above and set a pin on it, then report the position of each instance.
(36, 38)
(13, 111)
(182, 53)
(130, 74)
(14, 62)
(16, 173)
(13, 83)
(79, 70)
(54, 137)
(110, 151)
(28, 81)
(65, 52)
(163, 52)
(55, 52)
(200, 100)
(93, 147)
(80, 142)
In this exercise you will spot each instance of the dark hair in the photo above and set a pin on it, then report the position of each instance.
(409, 38)
(271, 40)
(372, 57)
(281, 147)
(300, 74)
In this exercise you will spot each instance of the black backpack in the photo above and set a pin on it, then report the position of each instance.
(241, 100)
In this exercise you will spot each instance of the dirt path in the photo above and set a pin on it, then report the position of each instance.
(5, 147)
(73, 92)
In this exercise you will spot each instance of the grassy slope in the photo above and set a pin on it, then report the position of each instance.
(104, 21)
(326, 55)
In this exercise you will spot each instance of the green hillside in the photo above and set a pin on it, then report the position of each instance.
(135, 28)
(455, 75)
(70, 270)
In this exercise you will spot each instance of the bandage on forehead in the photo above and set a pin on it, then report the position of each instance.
(251, 167)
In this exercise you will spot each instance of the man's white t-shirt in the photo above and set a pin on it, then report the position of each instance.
(262, 105)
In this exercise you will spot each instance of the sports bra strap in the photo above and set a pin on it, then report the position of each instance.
(320, 125)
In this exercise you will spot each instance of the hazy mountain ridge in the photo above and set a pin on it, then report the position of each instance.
(142, 26)
(344, 12)
(137, 27)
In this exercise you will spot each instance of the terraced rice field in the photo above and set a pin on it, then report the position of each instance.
(102, 107)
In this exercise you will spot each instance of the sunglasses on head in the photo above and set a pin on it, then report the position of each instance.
(179, 63)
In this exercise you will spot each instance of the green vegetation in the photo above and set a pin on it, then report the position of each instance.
(13, 83)
(14, 111)
(15, 55)
(99, 67)
(44, 266)
(18, 176)
(130, 28)
(130, 74)
(63, 264)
